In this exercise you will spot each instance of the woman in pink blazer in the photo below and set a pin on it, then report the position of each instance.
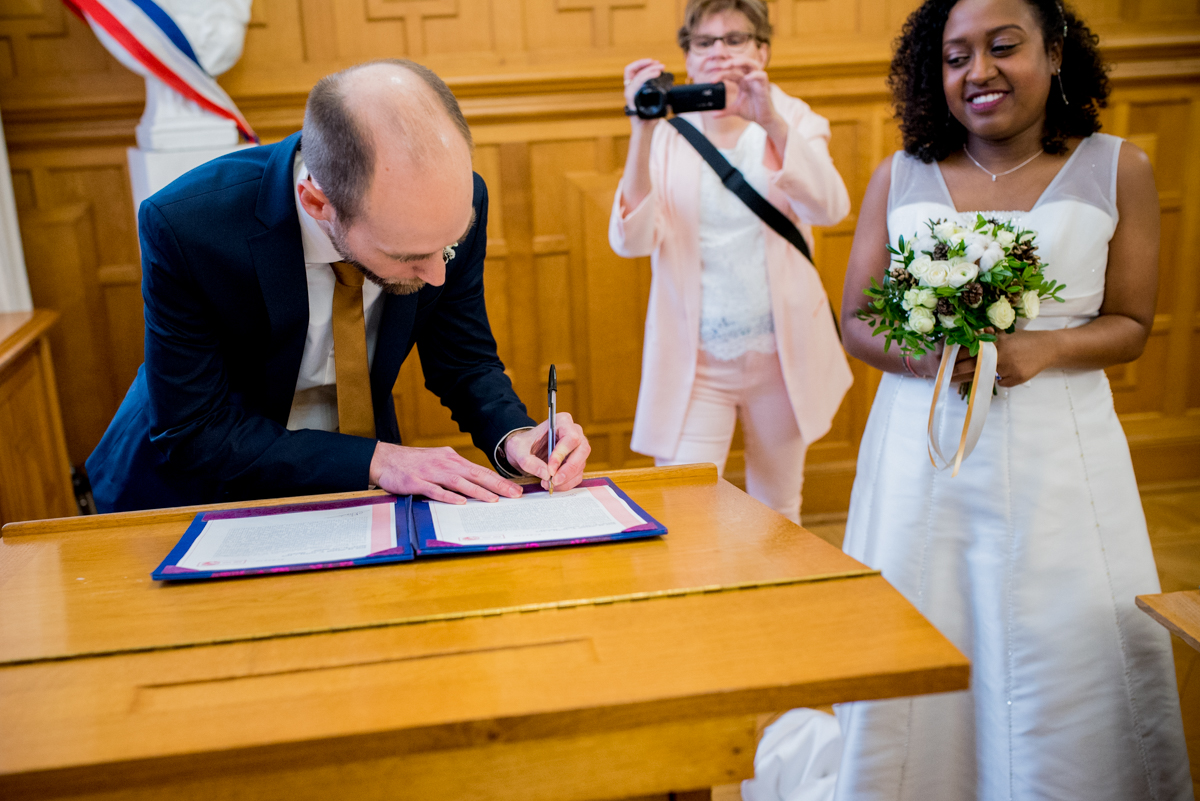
(738, 322)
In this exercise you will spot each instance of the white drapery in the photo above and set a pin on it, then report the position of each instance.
(14, 283)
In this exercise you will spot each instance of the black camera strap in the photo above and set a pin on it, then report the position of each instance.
(735, 182)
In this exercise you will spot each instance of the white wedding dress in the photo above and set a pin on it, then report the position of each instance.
(1028, 560)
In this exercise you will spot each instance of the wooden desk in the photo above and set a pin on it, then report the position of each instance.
(597, 672)
(35, 472)
(1178, 611)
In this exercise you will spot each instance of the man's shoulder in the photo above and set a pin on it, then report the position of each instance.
(236, 174)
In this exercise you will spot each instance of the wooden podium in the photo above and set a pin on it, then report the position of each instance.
(600, 672)
(35, 472)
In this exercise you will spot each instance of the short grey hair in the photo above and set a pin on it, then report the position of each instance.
(338, 149)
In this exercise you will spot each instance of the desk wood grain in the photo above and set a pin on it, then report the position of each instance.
(1178, 611)
(651, 684)
(104, 599)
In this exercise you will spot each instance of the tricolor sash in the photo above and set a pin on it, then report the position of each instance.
(151, 37)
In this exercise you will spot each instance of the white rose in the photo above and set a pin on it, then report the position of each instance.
(920, 320)
(919, 296)
(962, 273)
(938, 274)
(1006, 238)
(989, 258)
(999, 314)
(944, 230)
(920, 266)
(948, 320)
(1031, 304)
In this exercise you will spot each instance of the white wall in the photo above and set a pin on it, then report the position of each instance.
(14, 283)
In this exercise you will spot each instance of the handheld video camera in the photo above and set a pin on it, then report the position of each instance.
(658, 94)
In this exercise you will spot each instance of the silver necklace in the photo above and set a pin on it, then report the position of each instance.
(996, 175)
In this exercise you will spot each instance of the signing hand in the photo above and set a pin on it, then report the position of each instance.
(437, 473)
(526, 450)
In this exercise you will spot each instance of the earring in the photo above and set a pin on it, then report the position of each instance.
(1062, 91)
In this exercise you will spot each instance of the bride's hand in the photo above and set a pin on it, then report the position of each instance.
(1020, 356)
(927, 366)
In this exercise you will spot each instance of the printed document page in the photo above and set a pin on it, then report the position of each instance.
(537, 517)
(293, 538)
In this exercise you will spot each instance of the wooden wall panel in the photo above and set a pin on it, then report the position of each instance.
(540, 83)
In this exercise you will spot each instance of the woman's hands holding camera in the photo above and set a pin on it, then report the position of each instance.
(637, 74)
(751, 98)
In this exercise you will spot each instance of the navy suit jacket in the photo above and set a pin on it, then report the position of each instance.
(226, 299)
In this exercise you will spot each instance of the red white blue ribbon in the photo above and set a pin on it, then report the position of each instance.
(153, 39)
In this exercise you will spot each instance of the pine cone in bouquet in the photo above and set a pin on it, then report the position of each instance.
(972, 294)
(945, 307)
(1026, 252)
(941, 251)
(902, 276)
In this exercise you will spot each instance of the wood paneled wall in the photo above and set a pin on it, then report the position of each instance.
(540, 83)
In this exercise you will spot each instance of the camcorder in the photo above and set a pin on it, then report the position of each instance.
(658, 94)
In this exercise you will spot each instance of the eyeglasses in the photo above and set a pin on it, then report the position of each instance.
(734, 40)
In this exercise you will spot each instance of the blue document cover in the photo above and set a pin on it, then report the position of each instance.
(237, 541)
(617, 503)
(385, 510)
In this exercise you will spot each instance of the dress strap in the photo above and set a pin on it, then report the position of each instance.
(1090, 175)
(914, 181)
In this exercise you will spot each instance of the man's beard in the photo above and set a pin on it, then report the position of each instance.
(398, 286)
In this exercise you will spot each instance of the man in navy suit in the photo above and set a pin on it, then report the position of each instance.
(237, 397)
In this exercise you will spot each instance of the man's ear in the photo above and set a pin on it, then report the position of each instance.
(314, 202)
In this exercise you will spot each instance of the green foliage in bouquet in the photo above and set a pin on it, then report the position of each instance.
(956, 283)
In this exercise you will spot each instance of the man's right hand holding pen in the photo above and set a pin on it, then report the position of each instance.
(526, 450)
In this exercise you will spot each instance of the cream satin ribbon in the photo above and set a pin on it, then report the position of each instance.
(979, 401)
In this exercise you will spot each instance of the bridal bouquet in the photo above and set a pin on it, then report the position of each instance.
(954, 283)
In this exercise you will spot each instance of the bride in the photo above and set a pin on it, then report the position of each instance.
(1029, 559)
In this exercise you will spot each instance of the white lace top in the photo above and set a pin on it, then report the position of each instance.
(735, 305)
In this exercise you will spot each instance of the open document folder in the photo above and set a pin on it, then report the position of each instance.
(364, 531)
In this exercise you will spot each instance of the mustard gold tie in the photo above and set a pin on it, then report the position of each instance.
(356, 413)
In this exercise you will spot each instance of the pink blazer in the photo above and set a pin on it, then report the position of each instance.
(665, 226)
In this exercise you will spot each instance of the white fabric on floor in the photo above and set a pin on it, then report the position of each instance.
(797, 759)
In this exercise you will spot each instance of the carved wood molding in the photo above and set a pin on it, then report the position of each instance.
(582, 91)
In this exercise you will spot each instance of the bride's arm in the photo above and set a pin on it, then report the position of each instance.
(869, 259)
(1119, 334)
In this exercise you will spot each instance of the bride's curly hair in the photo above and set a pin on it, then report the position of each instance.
(931, 133)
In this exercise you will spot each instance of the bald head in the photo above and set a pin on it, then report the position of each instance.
(390, 112)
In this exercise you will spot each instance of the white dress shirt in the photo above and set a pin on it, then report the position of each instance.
(315, 403)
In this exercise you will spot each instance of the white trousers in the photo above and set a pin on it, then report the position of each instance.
(751, 387)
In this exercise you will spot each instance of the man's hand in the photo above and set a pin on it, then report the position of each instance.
(526, 451)
(439, 474)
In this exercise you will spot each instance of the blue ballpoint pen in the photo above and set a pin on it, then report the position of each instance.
(552, 402)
